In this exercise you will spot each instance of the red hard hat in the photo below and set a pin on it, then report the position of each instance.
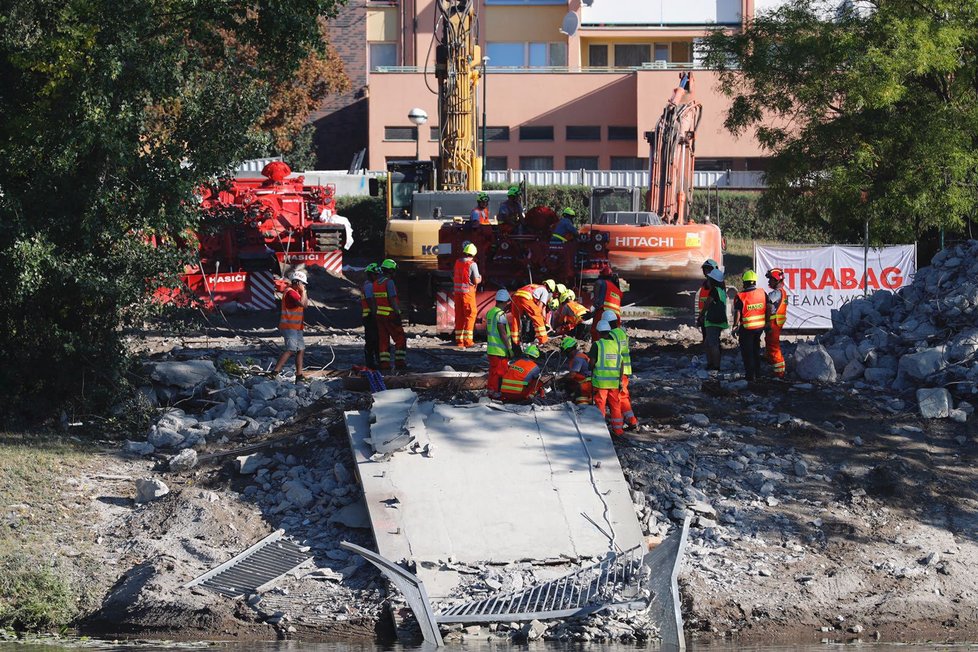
(777, 274)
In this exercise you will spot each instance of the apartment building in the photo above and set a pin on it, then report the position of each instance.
(553, 100)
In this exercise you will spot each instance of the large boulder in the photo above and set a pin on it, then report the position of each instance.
(183, 461)
(963, 346)
(162, 437)
(853, 370)
(148, 489)
(298, 494)
(923, 364)
(934, 403)
(185, 375)
(813, 362)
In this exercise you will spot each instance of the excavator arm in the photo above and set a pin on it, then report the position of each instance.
(672, 153)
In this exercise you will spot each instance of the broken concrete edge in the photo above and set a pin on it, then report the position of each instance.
(411, 588)
(665, 601)
(271, 538)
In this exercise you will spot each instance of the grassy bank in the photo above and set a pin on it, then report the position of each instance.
(43, 564)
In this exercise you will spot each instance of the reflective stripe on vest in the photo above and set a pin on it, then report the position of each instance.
(701, 297)
(291, 320)
(364, 304)
(626, 355)
(497, 343)
(558, 237)
(612, 298)
(753, 309)
(514, 381)
(780, 316)
(526, 292)
(607, 365)
(384, 308)
(463, 275)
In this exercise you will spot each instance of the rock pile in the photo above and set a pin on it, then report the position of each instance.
(255, 406)
(923, 336)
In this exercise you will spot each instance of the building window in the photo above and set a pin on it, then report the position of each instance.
(537, 133)
(496, 163)
(524, 55)
(506, 55)
(536, 162)
(583, 133)
(628, 163)
(497, 133)
(433, 133)
(622, 133)
(682, 52)
(400, 133)
(713, 164)
(382, 55)
(597, 56)
(662, 52)
(581, 163)
(632, 54)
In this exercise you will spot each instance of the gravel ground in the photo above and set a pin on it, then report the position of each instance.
(820, 511)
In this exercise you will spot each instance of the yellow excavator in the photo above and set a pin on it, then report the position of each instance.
(423, 194)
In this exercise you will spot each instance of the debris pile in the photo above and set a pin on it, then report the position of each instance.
(249, 408)
(923, 337)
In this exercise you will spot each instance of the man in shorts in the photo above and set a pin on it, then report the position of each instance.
(294, 302)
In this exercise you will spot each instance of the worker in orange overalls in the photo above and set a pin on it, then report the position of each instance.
(577, 382)
(521, 382)
(750, 317)
(607, 296)
(388, 314)
(480, 214)
(704, 292)
(466, 279)
(777, 315)
(618, 332)
(570, 315)
(606, 377)
(529, 301)
(499, 342)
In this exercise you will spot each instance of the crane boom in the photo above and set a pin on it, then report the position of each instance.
(672, 153)
(457, 61)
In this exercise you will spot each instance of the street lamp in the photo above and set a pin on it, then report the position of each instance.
(418, 117)
(485, 69)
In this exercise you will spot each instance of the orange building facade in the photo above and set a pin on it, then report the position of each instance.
(555, 101)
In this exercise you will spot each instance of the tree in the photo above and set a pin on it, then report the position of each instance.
(113, 116)
(869, 109)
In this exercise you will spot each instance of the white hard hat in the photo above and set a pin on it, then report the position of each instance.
(604, 326)
(609, 316)
(300, 275)
(502, 295)
(716, 275)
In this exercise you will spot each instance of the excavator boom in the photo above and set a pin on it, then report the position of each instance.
(672, 152)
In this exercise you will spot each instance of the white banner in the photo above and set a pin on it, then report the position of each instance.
(820, 279)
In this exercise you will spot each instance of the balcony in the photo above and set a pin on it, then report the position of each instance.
(587, 70)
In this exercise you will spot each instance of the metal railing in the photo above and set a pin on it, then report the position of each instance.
(623, 178)
(652, 65)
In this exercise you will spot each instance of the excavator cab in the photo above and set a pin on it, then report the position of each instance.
(404, 178)
(614, 200)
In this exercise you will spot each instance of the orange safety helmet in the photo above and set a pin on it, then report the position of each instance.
(776, 274)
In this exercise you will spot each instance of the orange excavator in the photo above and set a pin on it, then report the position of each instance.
(663, 242)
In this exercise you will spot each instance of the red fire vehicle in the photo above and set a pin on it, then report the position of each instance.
(255, 230)
(511, 259)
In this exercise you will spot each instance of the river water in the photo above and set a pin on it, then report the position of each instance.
(293, 646)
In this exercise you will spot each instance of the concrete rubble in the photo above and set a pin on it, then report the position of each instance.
(923, 337)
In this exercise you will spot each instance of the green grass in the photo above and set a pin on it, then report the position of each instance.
(39, 587)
